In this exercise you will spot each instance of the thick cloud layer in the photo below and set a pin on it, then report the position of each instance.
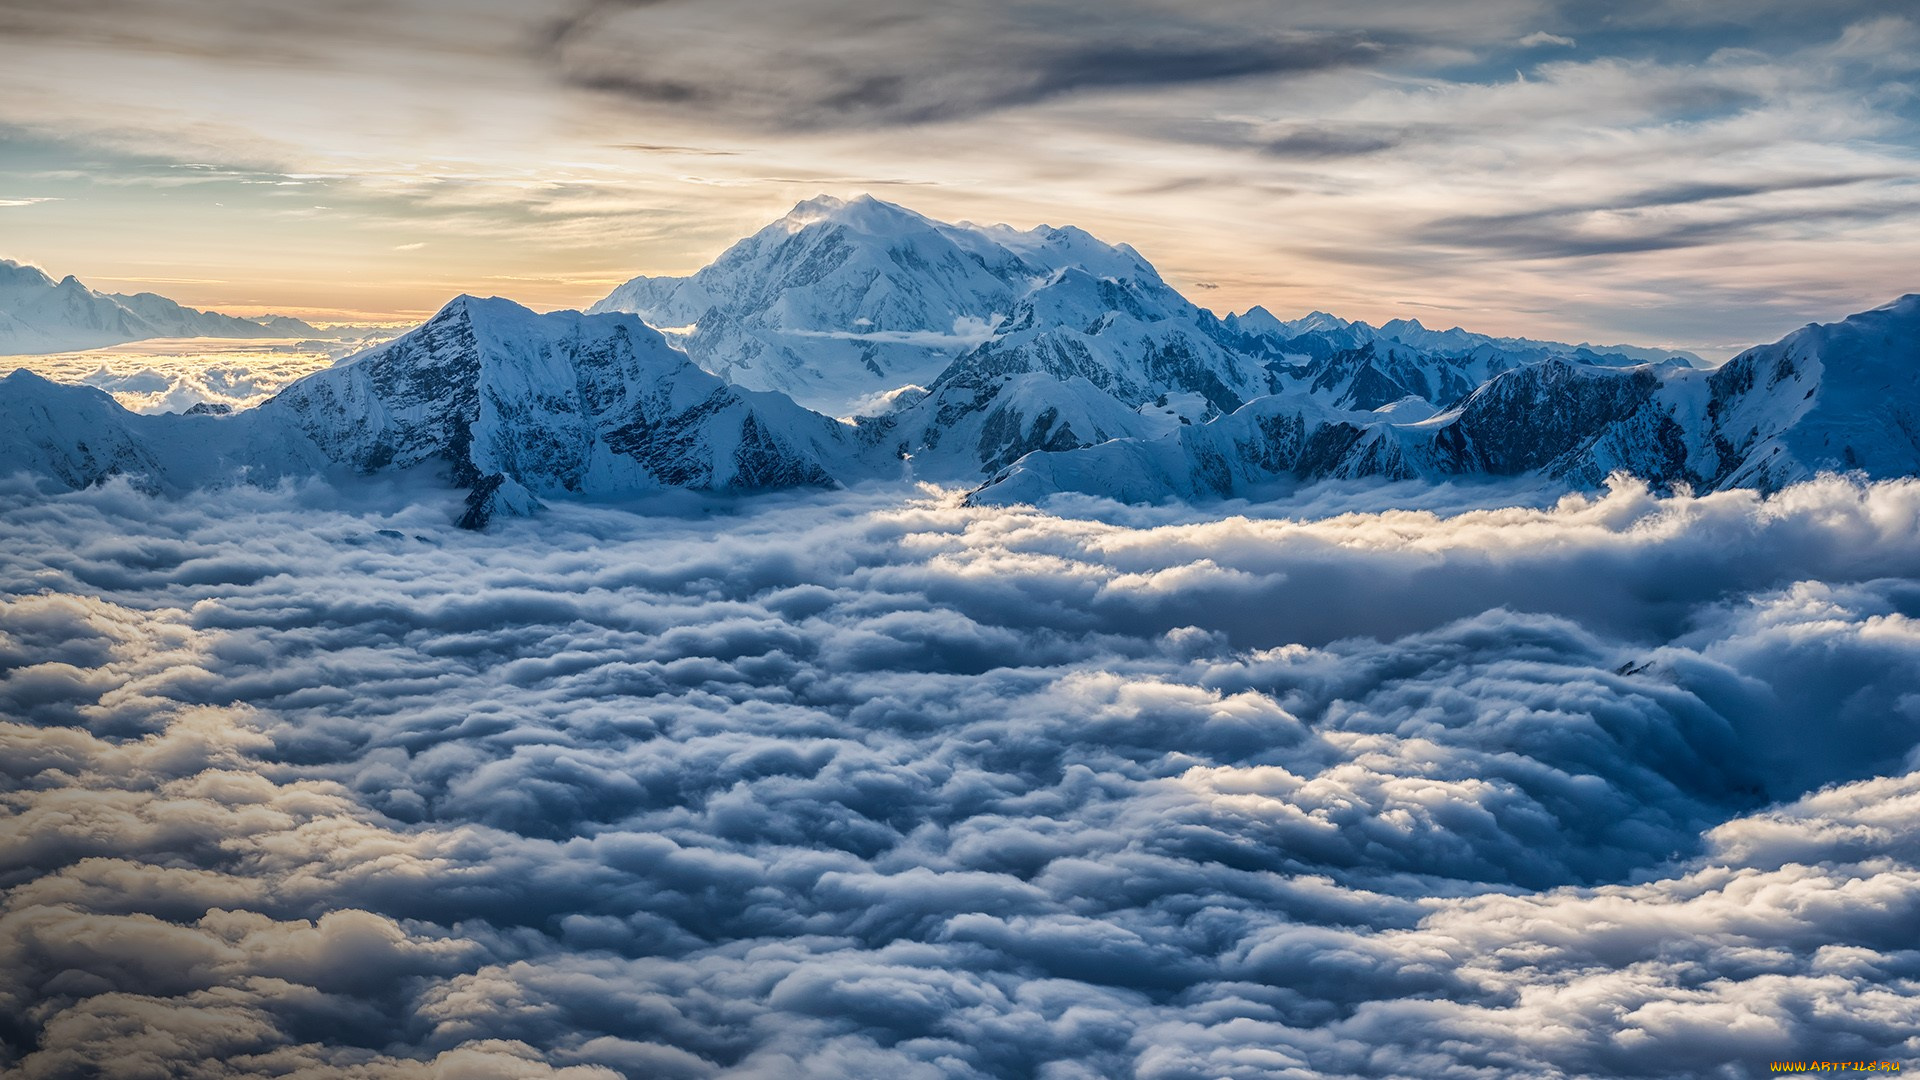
(310, 783)
(176, 375)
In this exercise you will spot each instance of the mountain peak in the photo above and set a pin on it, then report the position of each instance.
(476, 309)
(862, 213)
(19, 273)
(1319, 320)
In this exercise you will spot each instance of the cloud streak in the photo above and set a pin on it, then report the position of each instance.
(858, 65)
(1667, 218)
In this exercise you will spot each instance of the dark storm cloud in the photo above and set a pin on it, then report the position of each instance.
(845, 785)
(1312, 141)
(829, 64)
(833, 62)
(819, 63)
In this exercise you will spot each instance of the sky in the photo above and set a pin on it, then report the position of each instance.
(1704, 174)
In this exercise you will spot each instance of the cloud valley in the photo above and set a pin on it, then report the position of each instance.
(311, 782)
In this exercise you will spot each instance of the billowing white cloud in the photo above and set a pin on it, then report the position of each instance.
(173, 376)
(309, 782)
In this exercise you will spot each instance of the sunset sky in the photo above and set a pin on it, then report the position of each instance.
(1699, 173)
(944, 655)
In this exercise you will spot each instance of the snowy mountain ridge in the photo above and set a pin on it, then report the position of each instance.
(1258, 322)
(1090, 376)
(1835, 397)
(41, 315)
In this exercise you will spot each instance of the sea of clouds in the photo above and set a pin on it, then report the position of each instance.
(175, 374)
(310, 783)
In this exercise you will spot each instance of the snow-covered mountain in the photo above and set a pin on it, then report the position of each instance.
(509, 406)
(1080, 370)
(1353, 365)
(520, 405)
(1839, 396)
(841, 302)
(962, 346)
(1080, 360)
(41, 315)
(1836, 397)
(857, 306)
(77, 436)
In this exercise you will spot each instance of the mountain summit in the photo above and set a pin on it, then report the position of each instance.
(842, 301)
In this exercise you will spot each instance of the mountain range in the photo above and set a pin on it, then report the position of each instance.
(41, 315)
(856, 341)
